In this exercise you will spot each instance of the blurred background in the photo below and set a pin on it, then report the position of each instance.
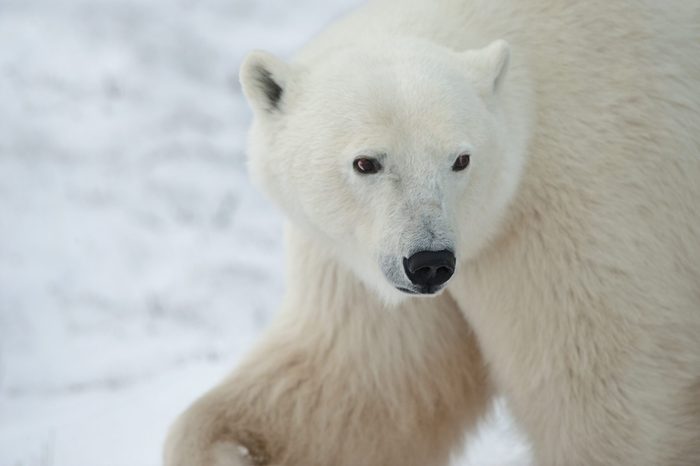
(137, 263)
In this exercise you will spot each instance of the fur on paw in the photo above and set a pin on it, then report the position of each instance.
(231, 454)
(251, 451)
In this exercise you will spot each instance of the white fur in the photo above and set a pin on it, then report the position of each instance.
(576, 229)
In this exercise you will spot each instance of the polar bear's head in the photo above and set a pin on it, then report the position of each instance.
(398, 157)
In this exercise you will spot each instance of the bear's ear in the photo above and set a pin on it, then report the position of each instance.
(265, 80)
(488, 66)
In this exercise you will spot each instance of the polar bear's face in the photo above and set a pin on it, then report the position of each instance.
(397, 159)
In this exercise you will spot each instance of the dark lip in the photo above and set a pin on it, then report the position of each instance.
(406, 290)
(428, 291)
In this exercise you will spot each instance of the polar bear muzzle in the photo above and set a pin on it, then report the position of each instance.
(429, 270)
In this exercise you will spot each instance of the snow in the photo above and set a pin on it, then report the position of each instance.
(137, 263)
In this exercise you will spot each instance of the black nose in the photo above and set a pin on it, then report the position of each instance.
(429, 269)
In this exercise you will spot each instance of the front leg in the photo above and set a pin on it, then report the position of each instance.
(341, 379)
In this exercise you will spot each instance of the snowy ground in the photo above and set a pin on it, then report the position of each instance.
(137, 264)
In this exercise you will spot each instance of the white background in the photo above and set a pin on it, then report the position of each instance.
(137, 264)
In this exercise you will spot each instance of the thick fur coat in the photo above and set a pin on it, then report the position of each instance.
(576, 232)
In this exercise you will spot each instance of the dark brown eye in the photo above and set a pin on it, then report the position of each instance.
(366, 165)
(461, 163)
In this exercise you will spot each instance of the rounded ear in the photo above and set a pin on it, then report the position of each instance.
(488, 66)
(265, 80)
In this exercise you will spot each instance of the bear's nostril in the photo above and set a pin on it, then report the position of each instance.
(428, 269)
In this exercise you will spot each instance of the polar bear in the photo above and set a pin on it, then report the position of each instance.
(484, 197)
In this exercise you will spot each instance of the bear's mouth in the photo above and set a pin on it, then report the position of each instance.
(406, 290)
(429, 290)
